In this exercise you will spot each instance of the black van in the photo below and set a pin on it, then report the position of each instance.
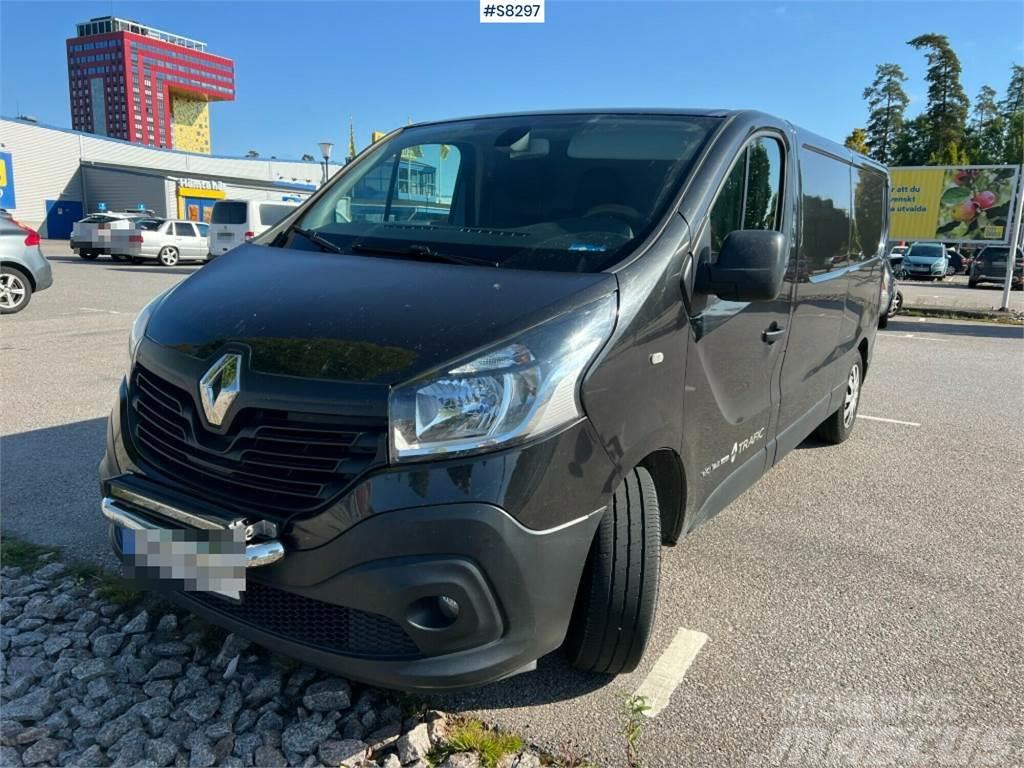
(448, 411)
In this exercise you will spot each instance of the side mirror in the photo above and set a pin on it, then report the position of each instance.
(751, 267)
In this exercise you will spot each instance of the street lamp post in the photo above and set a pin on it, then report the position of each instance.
(325, 151)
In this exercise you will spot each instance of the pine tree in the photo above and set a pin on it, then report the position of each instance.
(351, 140)
(947, 103)
(1014, 101)
(912, 143)
(986, 134)
(887, 103)
(857, 141)
(1012, 113)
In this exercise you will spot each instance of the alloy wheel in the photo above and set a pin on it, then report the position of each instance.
(852, 396)
(12, 291)
(168, 256)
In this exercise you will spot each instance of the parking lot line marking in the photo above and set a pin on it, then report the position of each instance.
(888, 421)
(668, 671)
(93, 309)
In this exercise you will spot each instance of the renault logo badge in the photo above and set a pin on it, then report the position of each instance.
(219, 387)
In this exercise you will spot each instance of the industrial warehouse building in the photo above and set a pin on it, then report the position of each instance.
(52, 177)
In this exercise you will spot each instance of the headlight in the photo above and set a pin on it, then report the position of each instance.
(516, 390)
(139, 329)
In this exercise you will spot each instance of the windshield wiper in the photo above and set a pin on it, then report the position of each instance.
(318, 239)
(420, 251)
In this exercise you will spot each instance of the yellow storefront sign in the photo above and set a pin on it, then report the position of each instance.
(951, 204)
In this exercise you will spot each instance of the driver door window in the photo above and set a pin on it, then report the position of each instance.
(750, 197)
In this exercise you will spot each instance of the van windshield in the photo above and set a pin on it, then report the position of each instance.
(554, 192)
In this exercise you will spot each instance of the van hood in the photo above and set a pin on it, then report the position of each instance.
(356, 318)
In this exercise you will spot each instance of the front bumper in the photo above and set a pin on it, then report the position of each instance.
(364, 603)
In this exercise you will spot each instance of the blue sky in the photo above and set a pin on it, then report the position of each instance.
(303, 68)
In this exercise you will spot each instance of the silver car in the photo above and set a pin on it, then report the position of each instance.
(25, 270)
(167, 241)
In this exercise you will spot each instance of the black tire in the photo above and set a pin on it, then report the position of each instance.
(883, 320)
(88, 255)
(614, 611)
(168, 256)
(136, 260)
(15, 290)
(972, 283)
(837, 427)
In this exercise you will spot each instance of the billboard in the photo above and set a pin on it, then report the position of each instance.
(7, 199)
(952, 204)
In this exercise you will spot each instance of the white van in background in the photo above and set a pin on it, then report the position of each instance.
(233, 222)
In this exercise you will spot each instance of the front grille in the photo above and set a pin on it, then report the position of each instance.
(311, 622)
(274, 462)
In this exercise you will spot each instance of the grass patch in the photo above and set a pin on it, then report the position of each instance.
(21, 554)
(108, 586)
(473, 736)
(634, 707)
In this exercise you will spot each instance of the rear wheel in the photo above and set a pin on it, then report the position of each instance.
(837, 427)
(88, 255)
(615, 603)
(15, 290)
(168, 256)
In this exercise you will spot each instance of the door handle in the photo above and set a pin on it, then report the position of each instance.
(772, 333)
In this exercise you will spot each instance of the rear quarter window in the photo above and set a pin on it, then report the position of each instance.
(271, 213)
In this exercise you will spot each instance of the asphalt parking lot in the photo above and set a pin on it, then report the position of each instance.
(862, 604)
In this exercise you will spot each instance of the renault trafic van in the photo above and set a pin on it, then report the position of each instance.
(441, 420)
(233, 222)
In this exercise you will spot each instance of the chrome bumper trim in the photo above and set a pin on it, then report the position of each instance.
(256, 555)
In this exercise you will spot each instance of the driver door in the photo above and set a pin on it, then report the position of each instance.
(736, 348)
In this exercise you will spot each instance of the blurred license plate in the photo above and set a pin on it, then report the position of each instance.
(187, 558)
(225, 235)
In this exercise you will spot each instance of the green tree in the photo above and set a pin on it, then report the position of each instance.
(912, 143)
(986, 133)
(351, 140)
(947, 103)
(887, 104)
(307, 158)
(1013, 149)
(1014, 101)
(857, 141)
(1012, 112)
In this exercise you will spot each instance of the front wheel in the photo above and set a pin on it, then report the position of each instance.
(88, 255)
(837, 427)
(614, 610)
(15, 291)
(168, 256)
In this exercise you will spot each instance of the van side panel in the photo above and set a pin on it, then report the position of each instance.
(814, 348)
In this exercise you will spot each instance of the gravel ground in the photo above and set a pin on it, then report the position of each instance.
(881, 571)
(90, 682)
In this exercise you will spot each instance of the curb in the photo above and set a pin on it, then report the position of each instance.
(993, 315)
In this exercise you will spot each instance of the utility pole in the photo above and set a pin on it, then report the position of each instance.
(1011, 257)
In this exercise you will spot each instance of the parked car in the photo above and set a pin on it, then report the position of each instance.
(990, 267)
(926, 261)
(24, 269)
(459, 445)
(233, 222)
(895, 259)
(166, 241)
(892, 296)
(90, 237)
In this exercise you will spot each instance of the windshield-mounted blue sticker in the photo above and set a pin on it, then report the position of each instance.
(587, 247)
